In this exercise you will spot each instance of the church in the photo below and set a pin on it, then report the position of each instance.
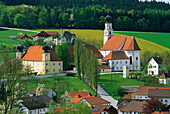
(119, 51)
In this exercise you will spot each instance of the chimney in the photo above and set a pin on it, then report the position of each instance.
(79, 96)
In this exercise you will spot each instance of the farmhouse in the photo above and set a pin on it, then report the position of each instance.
(155, 66)
(164, 78)
(119, 51)
(41, 59)
(51, 92)
(65, 37)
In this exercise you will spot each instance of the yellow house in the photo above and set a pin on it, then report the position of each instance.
(42, 59)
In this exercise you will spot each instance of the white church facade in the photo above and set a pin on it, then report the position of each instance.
(119, 51)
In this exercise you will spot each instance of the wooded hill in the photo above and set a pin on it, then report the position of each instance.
(144, 16)
(115, 4)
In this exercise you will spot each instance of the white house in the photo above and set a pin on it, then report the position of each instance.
(155, 66)
(164, 78)
(120, 51)
(65, 37)
(51, 92)
(35, 104)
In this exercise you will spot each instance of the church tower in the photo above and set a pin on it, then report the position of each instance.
(108, 31)
(19, 53)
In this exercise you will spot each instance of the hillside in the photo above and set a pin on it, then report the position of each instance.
(146, 44)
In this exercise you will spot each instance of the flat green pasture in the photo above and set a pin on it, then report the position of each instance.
(72, 82)
(11, 54)
(111, 82)
(162, 39)
(4, 36)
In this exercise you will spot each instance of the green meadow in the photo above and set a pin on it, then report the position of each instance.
(112, 82)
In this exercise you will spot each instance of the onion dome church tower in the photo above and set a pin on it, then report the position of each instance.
(108, 31)
(19, 53)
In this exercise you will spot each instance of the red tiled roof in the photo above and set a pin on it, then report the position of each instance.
(96, 100)
(33, 91)
(34, 53)
(113, 55)
(121, 43)
(163, 76)
(27, 36)
(81, 93)
(104, 67)
(101, 109)
(144, 90)
(52, 32)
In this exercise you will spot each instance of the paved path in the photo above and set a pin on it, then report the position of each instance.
(20, 29)
(106, 96)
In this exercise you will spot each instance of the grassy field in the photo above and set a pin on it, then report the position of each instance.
(111, 85)
(72, 82)
(146, 44)
(11, 54)
(4, 36)
(162, 39)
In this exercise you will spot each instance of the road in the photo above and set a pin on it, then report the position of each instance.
(20, 29)
(106, 96)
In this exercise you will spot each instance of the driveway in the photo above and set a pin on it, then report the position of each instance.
(106, 96)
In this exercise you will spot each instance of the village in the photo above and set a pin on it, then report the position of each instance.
(61, 55)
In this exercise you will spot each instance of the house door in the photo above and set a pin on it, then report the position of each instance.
(152, 73)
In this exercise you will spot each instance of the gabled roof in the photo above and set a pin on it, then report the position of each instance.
(115, 55)
(121, 43)
(128, 100)
(143, 90)
(33, 91)
(159, 60)
(135, 106)
(93, 48)
(43, 34)
(36, 102)
(52, 32)
(104, 67)
(25, 36)
(67, 34)
(34, 53)
(96, 100)
(161, 112)
(164, 76)
(81, 93)
(160, 93)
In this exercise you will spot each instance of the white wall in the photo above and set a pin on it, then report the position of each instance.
(118, 64)
(140, 97)
(162, 81)
(165, 101)
(135, 59)
(51, 93)
(105, 52)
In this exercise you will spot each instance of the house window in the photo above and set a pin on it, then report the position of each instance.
(59, 70)
(121, 67)
(130, 60)
(58, 63)
(136, 67)
(113, 62)
(103, 70)
(116, 62)
(126, 62)
(53, 64)
(109, 32)
(116, 67)
(46, 64)
(53, 70)
(136, 58)
(120, 62)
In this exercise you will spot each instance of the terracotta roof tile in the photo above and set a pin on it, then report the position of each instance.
(121, 43)
(144, 90)
(34, 53)
(159, 112)
(33, 91)
(135, 106)
(81, 93)
(113, 55)
(104, 67)
(96, 100)
(25, 36)
(52, 32)
(163, 76)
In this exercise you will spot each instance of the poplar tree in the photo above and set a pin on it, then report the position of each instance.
(77, 47)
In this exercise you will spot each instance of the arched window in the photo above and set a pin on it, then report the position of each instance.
(130, 60)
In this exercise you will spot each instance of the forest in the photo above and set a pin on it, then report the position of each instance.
(86, 14)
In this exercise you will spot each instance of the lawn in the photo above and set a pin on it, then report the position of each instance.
(111, 82)
(11, 54)
(73, 84)
(4, 36)
(162, 39)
